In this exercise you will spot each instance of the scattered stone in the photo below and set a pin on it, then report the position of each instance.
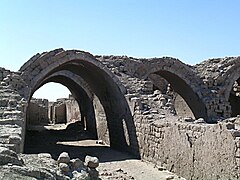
(188, 119)
(15, 139)
(154, 111)
(235, 133)
(6, 151)
(64, 167)
(170, 177)
(93, 173)
(199, 121)
(237, 124)
(119, 170)
(83, 175)
(91, 162)
(63, 158)
(6, 159)
(162, 168)
(76, 164)
(76, 169)
(230, 125)
(146, 112)
(150, 116)
(157, 92)
(44, 155)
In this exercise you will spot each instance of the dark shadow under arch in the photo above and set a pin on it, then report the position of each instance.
(234, 101)
(185, 91)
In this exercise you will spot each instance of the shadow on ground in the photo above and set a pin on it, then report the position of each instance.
(78, 143)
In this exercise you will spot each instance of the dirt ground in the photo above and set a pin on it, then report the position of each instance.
(78, 143)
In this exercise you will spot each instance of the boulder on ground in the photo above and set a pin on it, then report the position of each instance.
(76, 163)
(9, 156)
(83, 175)
(91, 162)
(64, 167)
(93, 173)
(63, 158)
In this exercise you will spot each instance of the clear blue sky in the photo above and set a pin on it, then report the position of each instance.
(186, 29)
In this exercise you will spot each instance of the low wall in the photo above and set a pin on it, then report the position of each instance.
(193, 151)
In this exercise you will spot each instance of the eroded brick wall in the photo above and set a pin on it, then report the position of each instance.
(64, 110)
(72, 110)
(192, 150)
(37, 112)
(12, 111)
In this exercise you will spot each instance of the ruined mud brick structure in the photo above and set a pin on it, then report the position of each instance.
(41, 111)
(126, 103)
(64, 110)
(37, 112)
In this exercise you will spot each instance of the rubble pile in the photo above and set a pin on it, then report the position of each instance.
(42, 166)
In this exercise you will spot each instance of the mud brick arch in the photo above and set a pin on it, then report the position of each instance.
(41, 68)
(182, 78)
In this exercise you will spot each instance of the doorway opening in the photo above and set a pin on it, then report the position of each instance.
(56, 123)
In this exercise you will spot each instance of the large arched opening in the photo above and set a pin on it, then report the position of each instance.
(51, 126)
(183, 81)
(46, 68)
(181, 108)
(188, 97)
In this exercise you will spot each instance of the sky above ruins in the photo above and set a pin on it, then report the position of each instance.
(191, 31)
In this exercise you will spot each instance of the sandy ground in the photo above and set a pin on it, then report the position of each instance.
(113, 164)
(124, 166)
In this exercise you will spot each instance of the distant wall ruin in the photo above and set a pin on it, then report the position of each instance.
(125, 103)
(41, 111)
(38, 112)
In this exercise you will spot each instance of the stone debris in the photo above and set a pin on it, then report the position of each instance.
(200, 120)
(63, 158)
(9, 157)
(76, 164)
(42, 166)
(91, 162)
(116, 174)
(64, 168)
(76, 169)
(42, 111)
(189, 119)
(83, 175)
